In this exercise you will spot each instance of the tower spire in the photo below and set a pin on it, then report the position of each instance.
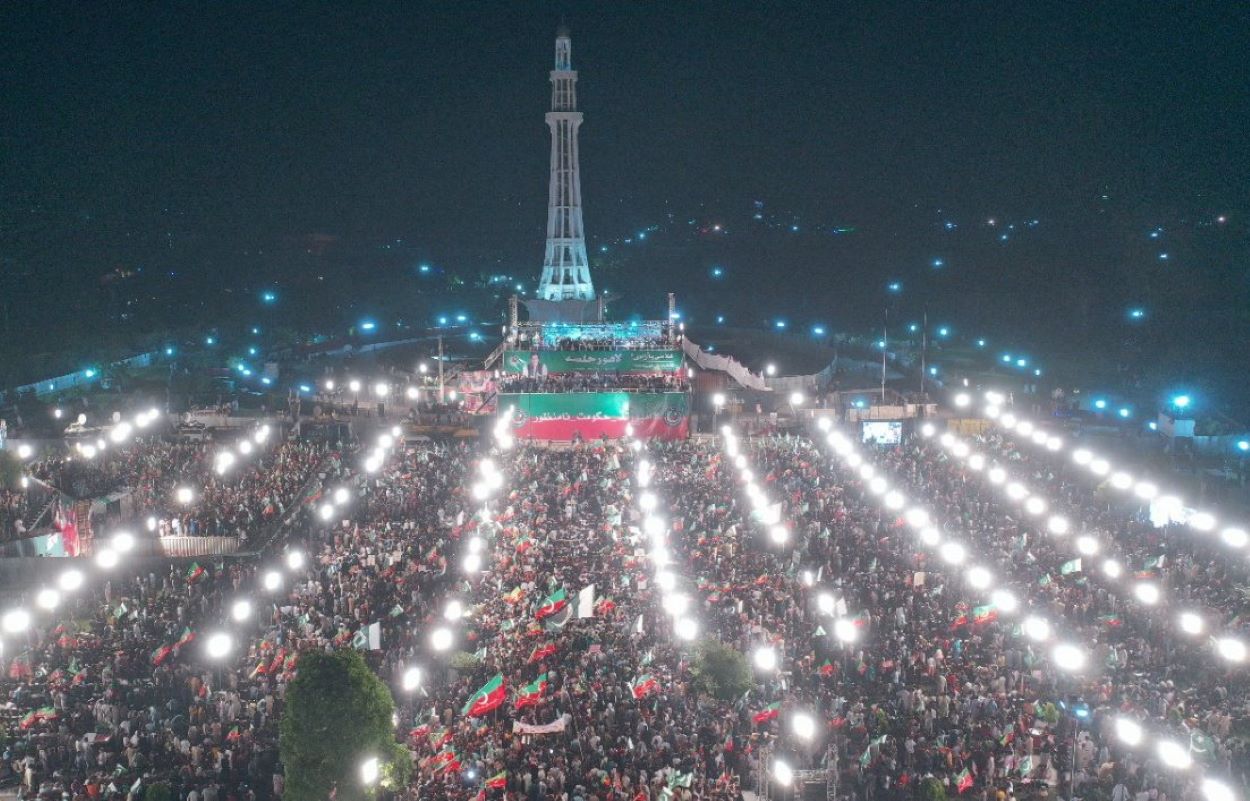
(566, 271)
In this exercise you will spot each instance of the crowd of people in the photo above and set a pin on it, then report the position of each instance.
(595, 382)
(15, 510)
(603, 701)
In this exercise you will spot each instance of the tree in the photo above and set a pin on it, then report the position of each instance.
(159, 791)
(931, 789)
(337, 715)
(720, 671)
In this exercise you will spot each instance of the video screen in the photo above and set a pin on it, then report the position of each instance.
(882, 433)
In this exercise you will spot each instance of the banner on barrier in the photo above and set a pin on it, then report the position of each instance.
(543, 362)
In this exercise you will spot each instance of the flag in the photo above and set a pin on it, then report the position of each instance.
(186, 638)
(1025, 766)
(768, 713)
(643, 684)
(638, 625)
(820, 631)
(194, 573)
(1111, 620)
(861, 620)
(487, 699)
(586, 602)
(676, 779)
(963, 780)
(553, 604)
(604, 606)
(984, 614)
(234, 735)
(961, 620)
(445, 759)
(1044, 581)
(38, 716)
(532, 693)
(278, 659)
(1072, 566)
(826, 668)
(1006, 739)
(498, 781)
(514, 595)
(541, 652)
(161, 654)
(374, 633)
(1150, 568)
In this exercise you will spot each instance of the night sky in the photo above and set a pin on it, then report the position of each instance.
(211, 141)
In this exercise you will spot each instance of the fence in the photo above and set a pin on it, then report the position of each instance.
(726, 364)
(182, 547)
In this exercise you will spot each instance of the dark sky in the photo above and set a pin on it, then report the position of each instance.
(377, 118)
(230, 127)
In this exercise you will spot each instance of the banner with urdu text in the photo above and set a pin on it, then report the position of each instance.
(582, 361)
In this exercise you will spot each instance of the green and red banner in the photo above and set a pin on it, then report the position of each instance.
(565, 415)
(591, 361)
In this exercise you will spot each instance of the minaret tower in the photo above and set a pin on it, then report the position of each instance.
(566, 272)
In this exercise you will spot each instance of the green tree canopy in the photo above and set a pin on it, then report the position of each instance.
(337, 715)
(720, 671)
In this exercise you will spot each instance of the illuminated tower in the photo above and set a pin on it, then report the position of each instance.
(566, 273)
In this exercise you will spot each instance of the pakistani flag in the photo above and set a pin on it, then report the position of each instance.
(1072, 566)
(490, 697)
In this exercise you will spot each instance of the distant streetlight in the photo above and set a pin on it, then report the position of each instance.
(770, 369)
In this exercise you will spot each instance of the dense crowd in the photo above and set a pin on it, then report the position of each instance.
(923, 692)
(15, 509)
(595, 382)
(239, 502)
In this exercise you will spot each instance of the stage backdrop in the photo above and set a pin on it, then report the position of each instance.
(561, 415)
(602, 361)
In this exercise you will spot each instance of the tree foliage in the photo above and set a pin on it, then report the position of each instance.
(720, 671)
(337, 715)
(931, 789)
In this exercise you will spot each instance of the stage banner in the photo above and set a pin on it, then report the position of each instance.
(590, 415)
(603, 361)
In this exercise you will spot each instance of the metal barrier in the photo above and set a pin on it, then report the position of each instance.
(182, 547)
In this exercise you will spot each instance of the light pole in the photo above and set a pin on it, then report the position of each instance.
(718, 402)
